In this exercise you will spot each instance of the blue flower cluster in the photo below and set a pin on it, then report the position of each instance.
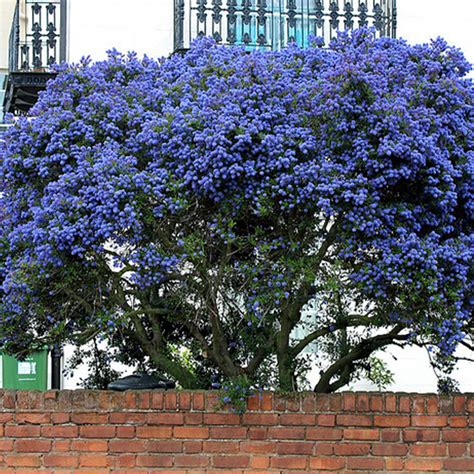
(249, 154)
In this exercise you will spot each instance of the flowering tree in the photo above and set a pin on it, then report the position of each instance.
(197, 211)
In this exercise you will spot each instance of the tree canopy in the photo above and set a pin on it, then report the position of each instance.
(197, 211)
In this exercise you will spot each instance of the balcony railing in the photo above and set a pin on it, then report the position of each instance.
(37, 41)
(38, 35)
(272, 24)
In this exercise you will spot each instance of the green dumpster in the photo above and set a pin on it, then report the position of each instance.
(28, 374)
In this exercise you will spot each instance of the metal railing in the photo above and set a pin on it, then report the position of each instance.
(272, 24)
(38, 35)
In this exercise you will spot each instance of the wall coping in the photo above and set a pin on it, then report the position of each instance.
(202, 400)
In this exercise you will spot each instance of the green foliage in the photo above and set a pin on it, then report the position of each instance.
(234, 394)
(379, 374)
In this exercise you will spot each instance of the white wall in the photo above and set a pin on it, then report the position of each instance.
(143, 26)
(7, 8)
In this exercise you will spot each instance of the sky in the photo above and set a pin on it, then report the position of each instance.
(98, 25)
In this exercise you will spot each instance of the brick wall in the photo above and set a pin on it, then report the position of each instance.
(181, 432)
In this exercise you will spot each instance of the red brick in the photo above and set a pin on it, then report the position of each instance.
(293, 403)
(6, 417)
(130, 418)
(323, 434)
(431, 450)
(154, 460)
(374, 464)
(221, 419)
(389, 435)
(463, 465)
(60, 460)
(97, 431)
(33, 418)
(432, 405)
(455, 436)
(170, 401)
(362, 402)
(143, 400)
(32, 446)
(325, 449)
(459, 404)
(130, 399)
(191, 461)
(423, 464)
(257, 462)
(348, 401)
(126, 446)
(326, 420)
(185, 400)
(429, 420)
(198, 400)
(230, 461)
(457, 450)
(89, 445)
(354, 420)
(156, 402)
(260, 447)
(61, 446)
(458, 421)
(22, 431)
(446, 405)
(321, 401)
(392, 421)
(288, 419)
(228, 432)
(286, 433)
(188, 432)
(192, 447)
(376, 402)
(125, 460)
(390, 403)
(154, 432)
(94, 460)
(6, 445)
(257, 433)
(267, 402)
(279, 403)
(260, 419)
(89, 418)
(404, 405)
(59, 431)
(230, 447)
(165, 418)
(60, 418)
(125, 432)
(288, 462)
(351, 449)
(292, 448)
(168, 446)
(425, 435)
(193, 418)
(362, 434)
(23, 460)
(389, 449)
(9, 399)
(393, 464)
(253, 403)
(418, 405)
(328, 464)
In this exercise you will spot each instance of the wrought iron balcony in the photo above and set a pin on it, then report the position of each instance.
(37, 41)
(272, 24)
